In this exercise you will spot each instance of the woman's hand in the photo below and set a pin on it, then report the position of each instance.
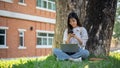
(80, 41)
(70, 35)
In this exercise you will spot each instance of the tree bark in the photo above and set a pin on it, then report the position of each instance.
(100, 16)
(64, 7)
(99, 22)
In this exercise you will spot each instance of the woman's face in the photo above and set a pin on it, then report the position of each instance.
(73, 22)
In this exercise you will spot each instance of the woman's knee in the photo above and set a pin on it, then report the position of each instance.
(86, 53)
(56, 50)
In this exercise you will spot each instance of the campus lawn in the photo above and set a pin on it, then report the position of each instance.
(112, 61)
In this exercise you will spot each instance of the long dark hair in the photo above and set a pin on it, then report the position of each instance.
(72, 15)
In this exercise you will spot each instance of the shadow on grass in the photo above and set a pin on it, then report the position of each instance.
(50, 62)
(112, 61)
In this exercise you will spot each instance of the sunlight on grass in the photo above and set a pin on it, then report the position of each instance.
(115, 54)
(86, 66)
(9, 63)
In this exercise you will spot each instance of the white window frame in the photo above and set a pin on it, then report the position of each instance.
(22, 3)
(47, 9)
(23, 31)
(9, 1)
(47, 37)
(4, 28)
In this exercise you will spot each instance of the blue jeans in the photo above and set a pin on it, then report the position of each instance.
(64, 56)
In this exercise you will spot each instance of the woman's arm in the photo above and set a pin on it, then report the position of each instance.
(84, 36)
(80, 41)
(68, 38)
(65, 36)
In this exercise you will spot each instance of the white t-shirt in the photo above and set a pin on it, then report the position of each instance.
(79, 32)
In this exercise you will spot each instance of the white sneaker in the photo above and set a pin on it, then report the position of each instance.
(76, 60)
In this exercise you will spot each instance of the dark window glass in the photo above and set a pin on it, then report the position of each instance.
(44, 41)
(39, 42)
(49, 41)
(21, 41)
(39, 3)
(21, 1)
(53, 7)
(52, 0)
(42, 34)
(2, 31)
(44, 4)
(2, 40)
(50, 35)
(49, 5)
(21, 33)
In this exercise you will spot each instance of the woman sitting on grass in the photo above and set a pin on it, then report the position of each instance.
(78, 36)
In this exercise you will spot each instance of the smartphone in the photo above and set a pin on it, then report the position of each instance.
(70, 31)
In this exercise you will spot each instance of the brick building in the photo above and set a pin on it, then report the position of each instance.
(26, 27)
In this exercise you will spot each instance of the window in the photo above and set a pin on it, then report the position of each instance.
(21, 38)
(22, 1)
(44, 39)
(3, 37)
(10, 1)
(47, 4)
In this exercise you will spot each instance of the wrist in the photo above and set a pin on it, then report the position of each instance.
(67, 41)
(80, 41)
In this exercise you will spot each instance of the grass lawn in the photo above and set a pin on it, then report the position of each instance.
(112, 61)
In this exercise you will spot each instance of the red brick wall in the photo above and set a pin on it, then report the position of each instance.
(30, 8)
(30, 36)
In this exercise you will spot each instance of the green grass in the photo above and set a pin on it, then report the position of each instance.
(112, 61)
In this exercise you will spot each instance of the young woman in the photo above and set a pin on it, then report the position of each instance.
(74, 34)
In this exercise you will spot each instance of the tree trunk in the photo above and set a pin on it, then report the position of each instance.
(64, 7)
(100, 16)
